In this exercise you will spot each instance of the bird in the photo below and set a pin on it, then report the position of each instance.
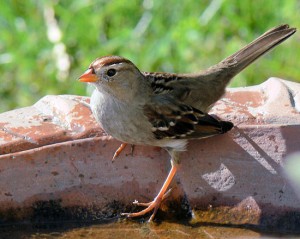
(166, 109)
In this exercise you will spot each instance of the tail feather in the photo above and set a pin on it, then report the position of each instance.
(221, 73)
(244, 57)
(226, 126)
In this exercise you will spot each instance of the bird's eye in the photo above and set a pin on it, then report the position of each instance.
(111, 72)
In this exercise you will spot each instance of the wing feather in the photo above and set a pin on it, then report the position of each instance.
(171, 119)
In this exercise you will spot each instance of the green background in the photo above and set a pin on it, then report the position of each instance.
(46, 45)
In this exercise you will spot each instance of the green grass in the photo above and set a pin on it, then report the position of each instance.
(172, 36)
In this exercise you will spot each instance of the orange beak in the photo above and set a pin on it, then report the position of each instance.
(88, 76)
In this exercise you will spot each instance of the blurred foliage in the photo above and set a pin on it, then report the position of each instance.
(46, 45)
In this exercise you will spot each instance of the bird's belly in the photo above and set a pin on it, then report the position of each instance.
(125, 130)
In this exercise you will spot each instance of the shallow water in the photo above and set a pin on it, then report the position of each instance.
(128, 229)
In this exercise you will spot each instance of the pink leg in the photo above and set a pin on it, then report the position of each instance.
(118, 151)
(155, 204)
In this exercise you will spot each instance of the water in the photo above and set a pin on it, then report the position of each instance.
(122, 229)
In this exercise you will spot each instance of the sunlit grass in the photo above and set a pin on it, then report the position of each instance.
(44, 54)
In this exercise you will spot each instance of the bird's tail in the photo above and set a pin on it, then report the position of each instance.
(248, 54)
(226, 126)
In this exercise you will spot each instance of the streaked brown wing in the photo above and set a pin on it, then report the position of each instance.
(179, 121)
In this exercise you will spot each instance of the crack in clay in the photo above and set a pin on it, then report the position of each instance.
(293, 99)
(17, 135)
(83, 103)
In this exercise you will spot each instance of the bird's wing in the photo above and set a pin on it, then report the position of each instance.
(172, 119)
(169, 83)
(192, 89)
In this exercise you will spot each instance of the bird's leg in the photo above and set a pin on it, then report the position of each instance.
(132, 149)
(120, 149)
(146, 204)
(155, 204)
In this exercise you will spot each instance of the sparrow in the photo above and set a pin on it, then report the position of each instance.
(166, 109)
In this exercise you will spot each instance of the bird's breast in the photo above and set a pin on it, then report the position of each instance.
(124, 122)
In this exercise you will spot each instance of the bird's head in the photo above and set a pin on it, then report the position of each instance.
(114, 75)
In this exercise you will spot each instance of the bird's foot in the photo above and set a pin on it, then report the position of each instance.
(154, 205)
(120, 149)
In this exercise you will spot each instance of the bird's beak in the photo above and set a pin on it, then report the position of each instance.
(88, 76)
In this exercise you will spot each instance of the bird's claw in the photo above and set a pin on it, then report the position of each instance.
(154, 205)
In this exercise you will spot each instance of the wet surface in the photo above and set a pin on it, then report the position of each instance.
(129, 229)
